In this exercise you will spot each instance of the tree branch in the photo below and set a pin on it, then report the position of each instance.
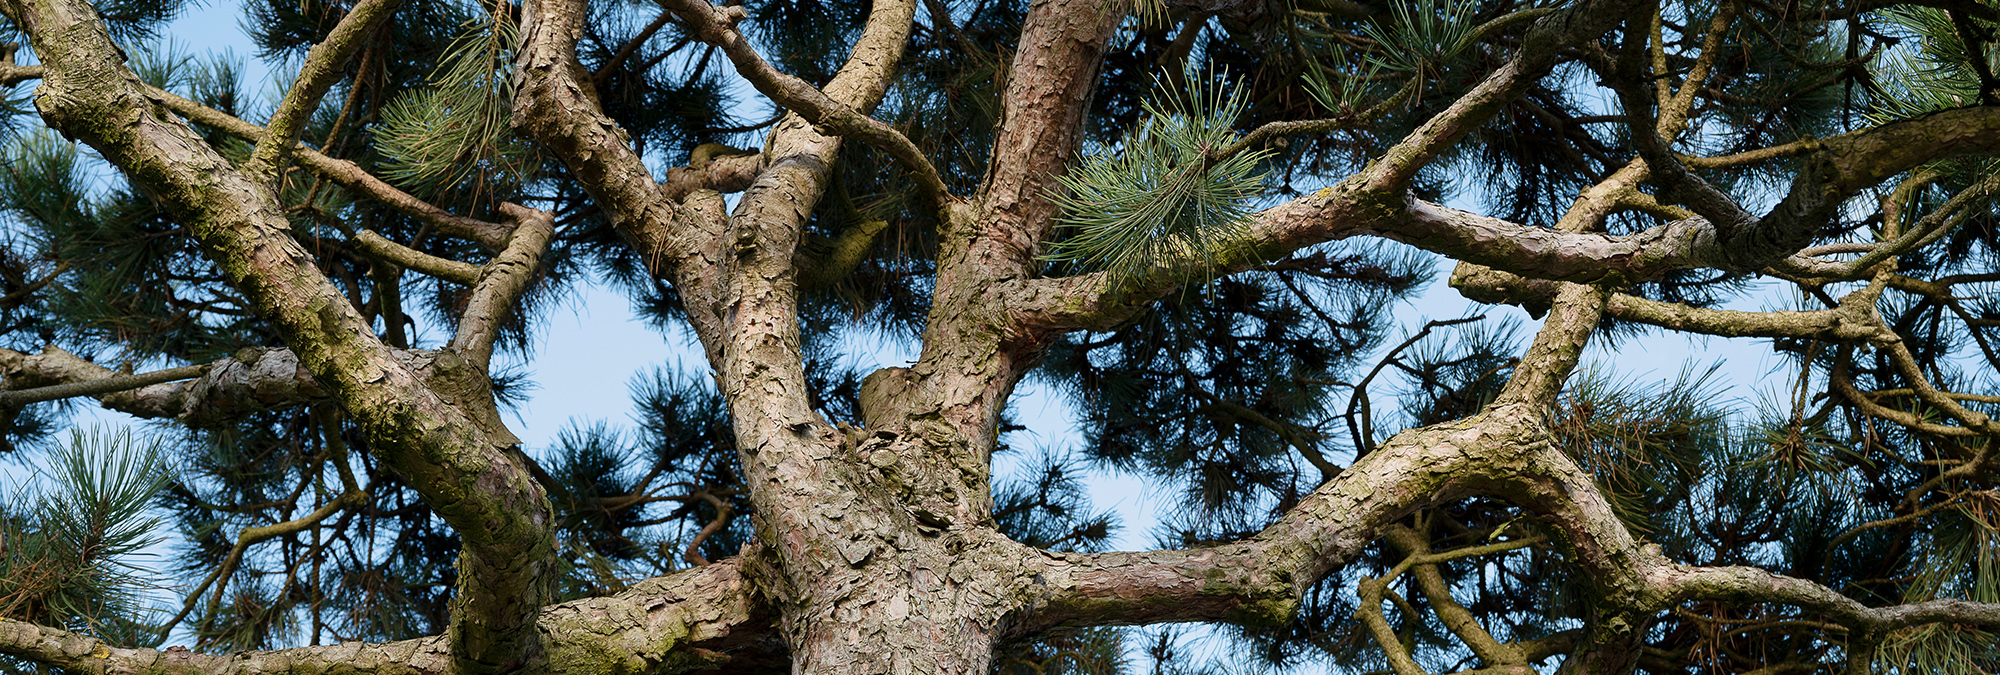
(324, 65)
(248, 537)
(555, 103)
(11, 73)
(501, 282)
(343, 173)
(1851, 322)
(14, 399)
(1841, 167)
(1051, 77)
(1538, 53)
(458, 461)
(717, 26)
(1539, 375)
(1503, 452)
(381, 248)
(222, 392)
(1456, 618)
(697, 619)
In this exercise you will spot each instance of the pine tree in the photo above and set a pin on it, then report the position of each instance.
(1196, 220)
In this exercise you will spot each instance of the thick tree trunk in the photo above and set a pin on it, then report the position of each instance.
(916, 606)
(875, 549)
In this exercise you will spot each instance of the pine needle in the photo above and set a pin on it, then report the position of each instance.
(1163, 197)
(454, 133)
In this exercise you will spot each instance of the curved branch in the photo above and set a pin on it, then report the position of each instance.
(1456, 618)
(253, 535)
(325, 64)
(717, 26)
(1503, 452)
(501, 282)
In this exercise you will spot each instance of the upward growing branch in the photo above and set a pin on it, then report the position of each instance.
(501, 283)
(717, 26)
(325, 64)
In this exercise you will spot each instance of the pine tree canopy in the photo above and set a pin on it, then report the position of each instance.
(1197, 221)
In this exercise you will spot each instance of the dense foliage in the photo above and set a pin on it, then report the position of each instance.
(1237, 396)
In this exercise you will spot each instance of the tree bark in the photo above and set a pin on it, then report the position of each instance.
(875, 550)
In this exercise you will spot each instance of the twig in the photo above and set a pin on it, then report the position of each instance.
(723, 511)
(1364, 433)
(10, 400)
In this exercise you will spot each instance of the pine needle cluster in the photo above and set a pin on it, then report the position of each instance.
(454, 133)
(1165, 193)
(69, 540)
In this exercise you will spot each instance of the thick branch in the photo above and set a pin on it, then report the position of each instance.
(1502, 452)
(1049, 88)
(501, 282)
(1851, 163)
(557, 105)
(1540, 374)
(458, 463)
(698, 619)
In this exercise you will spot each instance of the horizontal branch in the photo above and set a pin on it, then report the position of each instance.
(725, 174)
(692, 620)
(381, 248)
(11, 73)
(1503, 452)
(1841, 167)
(218, 394)
(13, 399)
(1852, 322)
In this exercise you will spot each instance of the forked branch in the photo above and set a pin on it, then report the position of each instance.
(717, 26)
(324, 65)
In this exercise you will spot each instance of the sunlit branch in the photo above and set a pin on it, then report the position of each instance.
(345, 174)
(501, 282)
(381, 248)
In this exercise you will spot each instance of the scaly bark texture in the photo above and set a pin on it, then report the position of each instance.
(876, 551)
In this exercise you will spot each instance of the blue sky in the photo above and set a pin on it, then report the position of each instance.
(593, 346)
